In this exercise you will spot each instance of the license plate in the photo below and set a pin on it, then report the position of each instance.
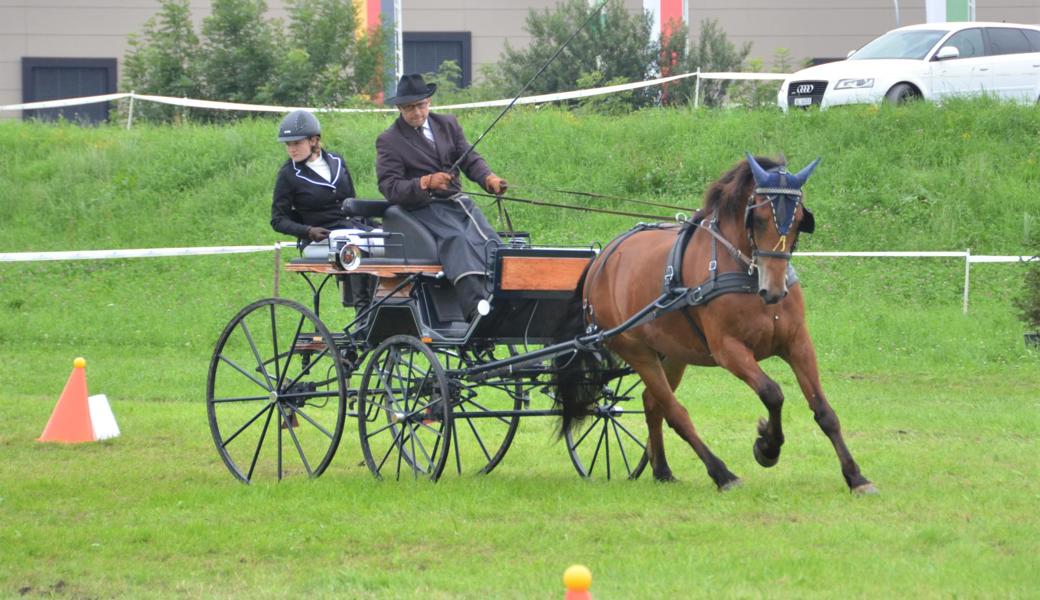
(802, 101)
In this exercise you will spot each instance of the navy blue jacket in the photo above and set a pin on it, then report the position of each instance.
(303, 199)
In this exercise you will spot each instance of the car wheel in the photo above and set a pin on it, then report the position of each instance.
(901, 93)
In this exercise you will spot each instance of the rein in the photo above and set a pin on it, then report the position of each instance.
(604, 197)
(572, 207)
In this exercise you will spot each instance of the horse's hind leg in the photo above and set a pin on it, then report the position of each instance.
(736, 358)
(654, 419)
(650, 369)
(803, 362)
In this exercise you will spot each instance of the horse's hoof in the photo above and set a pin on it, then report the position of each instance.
(760, 456)
(867, 489)
(666, 478)
(731, 484)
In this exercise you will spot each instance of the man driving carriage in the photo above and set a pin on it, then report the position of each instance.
(414, 160)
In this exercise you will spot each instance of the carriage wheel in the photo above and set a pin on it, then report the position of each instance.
(404, 417)
(275, 392)
(611, 441)
(481, 434)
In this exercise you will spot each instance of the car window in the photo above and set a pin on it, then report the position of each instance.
(1034, 39)
(913, 44)
(968, 42)
(1005, 40)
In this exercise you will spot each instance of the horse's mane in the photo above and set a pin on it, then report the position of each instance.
(727, 193)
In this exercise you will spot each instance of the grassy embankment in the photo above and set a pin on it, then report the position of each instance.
(940, 408)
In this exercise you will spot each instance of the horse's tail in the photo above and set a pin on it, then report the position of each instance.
(577, 382)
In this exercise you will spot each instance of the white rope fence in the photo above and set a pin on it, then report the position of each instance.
(537, 99)
(13, 257)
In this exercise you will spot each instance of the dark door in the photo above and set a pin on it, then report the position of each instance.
(59, 78)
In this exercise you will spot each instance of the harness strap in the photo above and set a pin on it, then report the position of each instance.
(734, 252)
(605, 256)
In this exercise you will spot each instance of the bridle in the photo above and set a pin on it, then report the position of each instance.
(785, 200)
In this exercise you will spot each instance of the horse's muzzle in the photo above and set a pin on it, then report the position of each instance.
(772, 298)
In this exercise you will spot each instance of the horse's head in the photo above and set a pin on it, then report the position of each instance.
(774, 216)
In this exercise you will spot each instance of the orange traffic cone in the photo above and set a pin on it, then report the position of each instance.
(70, 421)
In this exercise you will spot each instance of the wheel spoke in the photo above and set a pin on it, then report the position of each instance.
(256, 354)
(235, 366)
(595, 453)
(227, 441)
(295, 439)
(317, 425)
(241, 399)
(259, 444)
(288, 359)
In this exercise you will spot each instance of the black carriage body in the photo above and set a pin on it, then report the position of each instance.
(429, 390)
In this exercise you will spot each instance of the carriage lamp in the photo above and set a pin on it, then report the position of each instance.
(348, 257)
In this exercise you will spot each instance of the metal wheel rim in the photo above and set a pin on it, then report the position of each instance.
(303, 419)
(404, 417)
(482, 437)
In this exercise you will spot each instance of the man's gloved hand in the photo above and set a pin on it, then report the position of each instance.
(435, 181)
(317, 234)
(495, 185)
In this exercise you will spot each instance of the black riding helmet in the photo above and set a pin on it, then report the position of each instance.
(298, 125)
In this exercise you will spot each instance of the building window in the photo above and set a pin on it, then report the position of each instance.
(424, 52)
(57, 78)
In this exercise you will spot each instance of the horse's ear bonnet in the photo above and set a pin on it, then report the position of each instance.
(784, 191)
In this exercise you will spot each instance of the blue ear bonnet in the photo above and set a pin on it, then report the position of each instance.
(784, 190)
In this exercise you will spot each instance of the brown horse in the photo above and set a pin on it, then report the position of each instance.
(752, 217)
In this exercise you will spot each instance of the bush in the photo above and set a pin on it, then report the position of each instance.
(1028, 302)
(616, 45)
(243, 57)
(713, 52)
(164, 60)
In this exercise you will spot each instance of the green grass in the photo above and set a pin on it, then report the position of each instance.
(939, 408)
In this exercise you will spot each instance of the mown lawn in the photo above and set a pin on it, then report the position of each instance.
(939, 408)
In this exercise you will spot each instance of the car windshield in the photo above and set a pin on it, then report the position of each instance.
(913, 44)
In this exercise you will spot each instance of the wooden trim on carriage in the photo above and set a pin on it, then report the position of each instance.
(378, 270)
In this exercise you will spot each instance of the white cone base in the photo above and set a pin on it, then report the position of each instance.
(101, 418)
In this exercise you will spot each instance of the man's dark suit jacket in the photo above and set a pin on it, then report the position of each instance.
(404, 155)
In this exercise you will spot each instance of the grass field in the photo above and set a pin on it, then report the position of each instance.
(941, 409)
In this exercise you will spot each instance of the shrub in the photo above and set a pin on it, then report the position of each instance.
(617, 45)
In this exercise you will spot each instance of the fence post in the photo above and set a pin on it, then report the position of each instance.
(130, 115)
(697, 88)
(277, 267)
(967, 277)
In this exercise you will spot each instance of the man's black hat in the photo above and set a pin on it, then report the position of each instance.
(412, 88)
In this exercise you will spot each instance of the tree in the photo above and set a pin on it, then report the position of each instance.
(163, 59)
(340, 63)
(713, 52)
(239, 50)
(617, 45)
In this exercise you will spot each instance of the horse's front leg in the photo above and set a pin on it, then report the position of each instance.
(658, 388)
(802, 358)
(737, 358)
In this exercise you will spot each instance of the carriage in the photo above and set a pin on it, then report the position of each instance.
(566, 333)
(426, 389)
